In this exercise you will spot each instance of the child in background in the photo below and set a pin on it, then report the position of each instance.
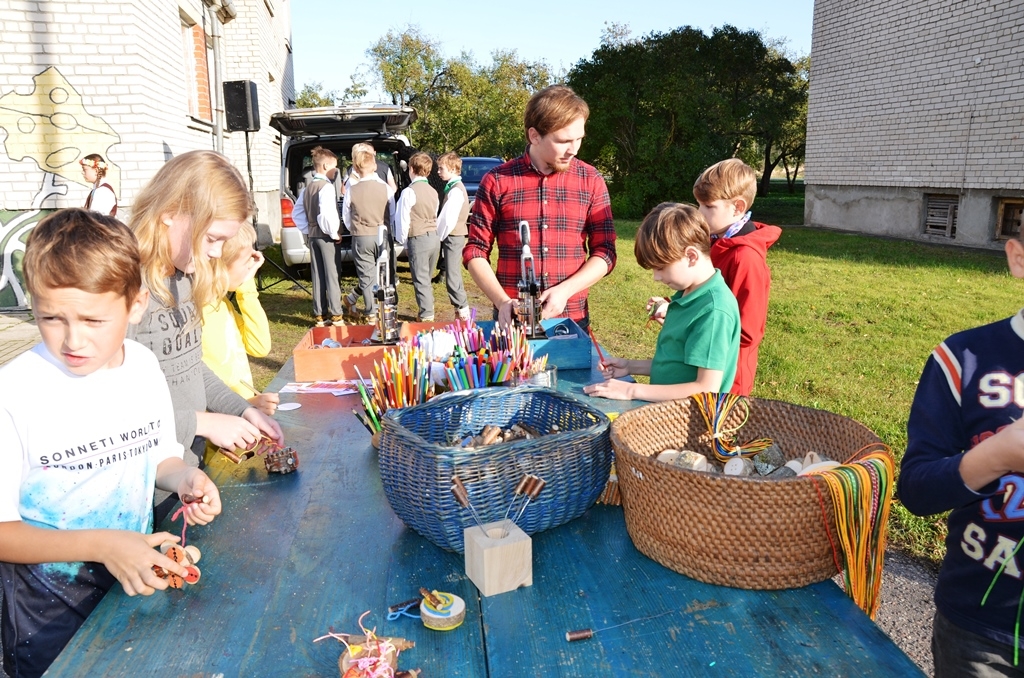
(182, 217)
(316, 215)
(101, 198)
(416, 229)
(452, 230)
(697, 348)
(965, 454)
(368, 202)
(86, 432)
(739, 247)
(230, 334)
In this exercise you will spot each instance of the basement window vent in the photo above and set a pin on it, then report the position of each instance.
(940, 214)
(1008, 219)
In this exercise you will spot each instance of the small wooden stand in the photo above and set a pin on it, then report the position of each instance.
(498, 565)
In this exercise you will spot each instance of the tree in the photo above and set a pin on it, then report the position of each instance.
(665, 106)
(461, 106)
(312, 96)
(408, 65)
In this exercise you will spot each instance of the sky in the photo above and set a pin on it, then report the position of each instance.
(558, 33)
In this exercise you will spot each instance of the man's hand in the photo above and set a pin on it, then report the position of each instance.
(554, 300)
(508, 310)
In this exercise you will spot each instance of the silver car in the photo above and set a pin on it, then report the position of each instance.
(336, 128)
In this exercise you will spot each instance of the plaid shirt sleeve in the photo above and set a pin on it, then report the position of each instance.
(570, 221)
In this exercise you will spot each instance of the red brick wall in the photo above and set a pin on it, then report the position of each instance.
(202, 73)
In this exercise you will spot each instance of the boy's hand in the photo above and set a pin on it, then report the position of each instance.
(614, 367)
(657, 308)
(994, 457)
(266, 403)
(130, 557)
(612, 389)
(227, 431)
(197, 484)
(265, 424)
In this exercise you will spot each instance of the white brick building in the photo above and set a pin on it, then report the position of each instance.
(915, 123)
(137, 82)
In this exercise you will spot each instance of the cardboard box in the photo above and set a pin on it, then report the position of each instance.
(567, 345)
(316, 363)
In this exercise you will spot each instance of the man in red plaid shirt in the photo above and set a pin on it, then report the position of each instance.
(566, 203)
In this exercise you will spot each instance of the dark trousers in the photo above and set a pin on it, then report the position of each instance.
(325, 259)
(422, 251)
(452, 247)
(962, 654)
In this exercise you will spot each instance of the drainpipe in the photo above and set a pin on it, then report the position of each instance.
(221, 11)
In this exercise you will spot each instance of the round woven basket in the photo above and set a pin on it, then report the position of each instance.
(750, 533)
(417, 462)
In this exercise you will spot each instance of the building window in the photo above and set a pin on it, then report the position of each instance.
(940, 214)
(1009, 217)
(197, 73)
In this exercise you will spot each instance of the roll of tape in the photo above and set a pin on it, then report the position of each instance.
(449, 615)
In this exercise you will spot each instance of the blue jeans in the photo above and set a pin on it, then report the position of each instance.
(961, 654)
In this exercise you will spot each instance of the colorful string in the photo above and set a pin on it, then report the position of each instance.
(715, 409)
(861, 493)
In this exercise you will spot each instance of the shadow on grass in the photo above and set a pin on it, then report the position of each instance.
(855, 248)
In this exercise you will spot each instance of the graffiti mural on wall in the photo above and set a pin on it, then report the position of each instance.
(51, 127)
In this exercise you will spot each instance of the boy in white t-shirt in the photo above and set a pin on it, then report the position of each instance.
(86, 432)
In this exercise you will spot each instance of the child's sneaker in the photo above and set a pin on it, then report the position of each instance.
(463, 313)
(337, 320)
(426, 319)
(318, 321)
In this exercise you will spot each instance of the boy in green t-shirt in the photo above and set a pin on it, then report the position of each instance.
(700, 341)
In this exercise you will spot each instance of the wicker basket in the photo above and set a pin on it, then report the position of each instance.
(416, 464)
(750, 533)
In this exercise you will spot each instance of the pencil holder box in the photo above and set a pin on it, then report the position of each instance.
(567, 345)
(417, 464)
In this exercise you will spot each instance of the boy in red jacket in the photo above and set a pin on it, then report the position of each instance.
(725, 191)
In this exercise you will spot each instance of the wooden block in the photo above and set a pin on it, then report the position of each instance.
(498, 565)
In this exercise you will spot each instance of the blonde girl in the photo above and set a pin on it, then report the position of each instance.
(232, 334)
(182, 218)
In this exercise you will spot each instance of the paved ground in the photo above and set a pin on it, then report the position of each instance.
(905, 613)
(17, 333)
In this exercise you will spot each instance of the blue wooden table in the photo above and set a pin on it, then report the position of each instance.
(296, 555)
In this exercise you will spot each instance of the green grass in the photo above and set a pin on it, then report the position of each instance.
(851, 321)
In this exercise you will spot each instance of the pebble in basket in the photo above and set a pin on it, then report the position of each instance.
(749, 532)
(417, 463)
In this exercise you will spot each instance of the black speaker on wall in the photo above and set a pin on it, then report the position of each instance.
(241, 108)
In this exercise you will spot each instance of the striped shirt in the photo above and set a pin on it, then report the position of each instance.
(570, 219)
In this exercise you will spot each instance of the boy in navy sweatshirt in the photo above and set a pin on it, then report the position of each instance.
(965, 453)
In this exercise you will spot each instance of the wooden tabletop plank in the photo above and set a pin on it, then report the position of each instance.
(294, 555)
(290, 557)
(587, 574)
